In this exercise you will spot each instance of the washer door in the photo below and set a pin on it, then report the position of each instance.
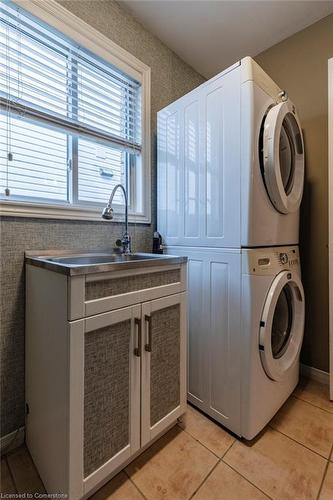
(282, 325)
(283, 157)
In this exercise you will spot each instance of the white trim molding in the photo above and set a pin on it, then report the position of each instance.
(315, 374)
(67, 212)
(330, 215)
(52, 13)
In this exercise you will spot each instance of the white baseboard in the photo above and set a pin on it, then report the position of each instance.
(315, 374)
(12, 440)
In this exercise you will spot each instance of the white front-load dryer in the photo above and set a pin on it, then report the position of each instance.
(230, 163)
(272, 161)
(273, 311)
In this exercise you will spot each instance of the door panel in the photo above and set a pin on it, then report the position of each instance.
(106, 393)
(221, 160)
(196, 340)
(163, 364)
(219, 340)
(192, 171)
(109, 402)
(215, 167)
(170, 173)
(214, 280)
(199, 166)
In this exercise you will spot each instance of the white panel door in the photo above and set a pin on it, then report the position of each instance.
(221, 161)
(163, 394)
(104, 411)
(214, 280)
(199, 166)
(192, 192)
(170, 173)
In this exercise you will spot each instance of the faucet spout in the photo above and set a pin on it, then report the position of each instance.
(108, 215)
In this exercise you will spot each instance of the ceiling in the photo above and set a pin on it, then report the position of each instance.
(210, 35)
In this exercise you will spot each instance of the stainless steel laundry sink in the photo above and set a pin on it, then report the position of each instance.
(79, 260)
(75, 262)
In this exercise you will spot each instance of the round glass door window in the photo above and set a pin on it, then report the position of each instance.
(282, 159)
(282, 323)
(287, 158)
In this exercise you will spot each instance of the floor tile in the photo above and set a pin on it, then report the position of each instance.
(278, 466)
(307, 424)
(226, 484)
(172, 468)
(206, 431)
(327, 489)
(315, 393)
(6, 482)
(119, 488)
(25, 475)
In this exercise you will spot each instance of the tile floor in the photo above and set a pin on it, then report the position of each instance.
(290, 460)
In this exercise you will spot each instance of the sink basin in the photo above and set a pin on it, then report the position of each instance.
(77, 263)
(95, 259)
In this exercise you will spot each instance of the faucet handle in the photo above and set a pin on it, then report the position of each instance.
(126, 243)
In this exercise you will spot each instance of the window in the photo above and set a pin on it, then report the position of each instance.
(72, 124)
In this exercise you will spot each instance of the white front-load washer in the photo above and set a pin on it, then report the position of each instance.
(230, 163)
(246, 321)
(273, 311)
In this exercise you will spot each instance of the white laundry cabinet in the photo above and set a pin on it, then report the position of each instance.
(105, 369)
(199, 165)
(214, 284)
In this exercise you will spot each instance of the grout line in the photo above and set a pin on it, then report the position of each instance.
(298, 442)
(205, 479)
(11, 475)
(211, 471)
(135, 486)
(229, 448)
(312, 404)
(324, 475)
(198, 441)
(247, 480)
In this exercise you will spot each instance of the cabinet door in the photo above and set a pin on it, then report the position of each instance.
(199, 166)
(214, 285)
(104, 393)
(163, 364)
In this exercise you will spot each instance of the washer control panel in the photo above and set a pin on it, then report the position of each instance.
(267, 261)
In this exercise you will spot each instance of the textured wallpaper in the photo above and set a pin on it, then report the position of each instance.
(171, 78)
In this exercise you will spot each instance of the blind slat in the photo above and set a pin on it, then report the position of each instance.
(55, 94)
(48, 73)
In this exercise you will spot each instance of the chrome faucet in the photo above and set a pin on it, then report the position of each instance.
(108, 215)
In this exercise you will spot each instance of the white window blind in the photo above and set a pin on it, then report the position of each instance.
(70, 121)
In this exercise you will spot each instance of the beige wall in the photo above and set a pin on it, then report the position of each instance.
(299, 65)
(171, 78)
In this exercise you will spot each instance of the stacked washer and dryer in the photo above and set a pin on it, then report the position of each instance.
(230, 183)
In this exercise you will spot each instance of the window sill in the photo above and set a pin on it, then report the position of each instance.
(48, 211)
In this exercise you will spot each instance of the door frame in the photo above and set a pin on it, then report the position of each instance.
(330, 215)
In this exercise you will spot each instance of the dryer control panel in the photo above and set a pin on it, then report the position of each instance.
(270, 261)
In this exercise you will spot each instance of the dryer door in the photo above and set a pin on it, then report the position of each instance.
(282, 325)
(283, 157)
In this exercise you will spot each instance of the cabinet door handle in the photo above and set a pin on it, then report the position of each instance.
(148, 346)
(137, 350)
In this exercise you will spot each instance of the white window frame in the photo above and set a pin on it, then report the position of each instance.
(73, 27)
